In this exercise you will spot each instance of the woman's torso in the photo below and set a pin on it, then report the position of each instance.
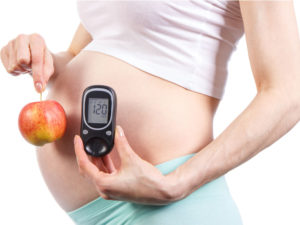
(186, 42)
(161, 120)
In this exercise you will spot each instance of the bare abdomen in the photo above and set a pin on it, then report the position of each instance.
(161, 120)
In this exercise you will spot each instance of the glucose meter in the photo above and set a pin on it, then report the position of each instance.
(98, 119)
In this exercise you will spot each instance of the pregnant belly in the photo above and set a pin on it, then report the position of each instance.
(161, 121)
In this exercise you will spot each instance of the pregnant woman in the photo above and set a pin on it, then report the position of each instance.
(167, 62)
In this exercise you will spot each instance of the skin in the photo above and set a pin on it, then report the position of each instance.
(151, 127)
(274, 52)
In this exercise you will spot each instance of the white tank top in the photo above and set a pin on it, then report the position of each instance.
(187, 42)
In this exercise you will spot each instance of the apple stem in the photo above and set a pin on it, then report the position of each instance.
(41, 96)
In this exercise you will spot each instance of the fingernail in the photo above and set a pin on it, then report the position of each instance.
(38, 86)
(120, 131)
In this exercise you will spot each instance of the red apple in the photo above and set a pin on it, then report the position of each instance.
(42, 122)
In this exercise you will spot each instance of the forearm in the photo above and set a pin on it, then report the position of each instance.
(79, 41)
(269, 116)
(61, 59)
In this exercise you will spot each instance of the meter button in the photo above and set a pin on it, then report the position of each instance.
(108, 133)
(85, 132)
(96, 146)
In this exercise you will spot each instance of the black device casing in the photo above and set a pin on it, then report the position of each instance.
(100, 133)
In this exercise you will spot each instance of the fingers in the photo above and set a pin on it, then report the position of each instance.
(12, 64)
(124, 149)
(29, 54)
(97, 161)
(5, 57)
(41, 62)
(22, 53)
(15, 55)
(107, 161)
(37, 50)
(84, 164)
(88, 169)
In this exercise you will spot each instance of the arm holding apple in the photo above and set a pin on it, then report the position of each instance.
(29, 54)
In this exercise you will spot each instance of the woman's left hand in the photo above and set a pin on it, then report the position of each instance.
(136, 180)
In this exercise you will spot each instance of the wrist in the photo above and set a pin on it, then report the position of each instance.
(176, 185)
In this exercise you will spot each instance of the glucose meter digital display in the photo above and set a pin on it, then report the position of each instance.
(98, 110)
(98, 119)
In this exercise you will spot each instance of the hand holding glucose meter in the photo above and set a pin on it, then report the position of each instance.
(98, 119)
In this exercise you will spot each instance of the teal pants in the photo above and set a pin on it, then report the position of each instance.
(211, 204)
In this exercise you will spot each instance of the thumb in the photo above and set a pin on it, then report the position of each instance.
(124, 149)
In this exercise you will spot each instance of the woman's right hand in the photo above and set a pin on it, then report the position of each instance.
(29, 54)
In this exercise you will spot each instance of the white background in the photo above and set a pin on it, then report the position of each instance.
(266, 188)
